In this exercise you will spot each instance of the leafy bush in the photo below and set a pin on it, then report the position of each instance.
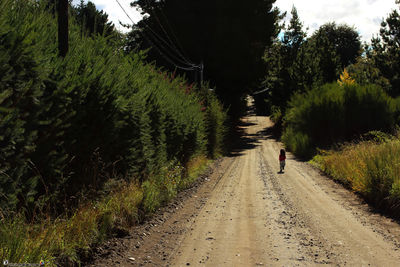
(216, 129)
(334, 113)
(276, 115)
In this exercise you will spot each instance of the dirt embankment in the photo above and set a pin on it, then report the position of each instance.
(246, 214)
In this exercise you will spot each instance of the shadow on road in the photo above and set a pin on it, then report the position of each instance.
(244, 141)
(242, 144)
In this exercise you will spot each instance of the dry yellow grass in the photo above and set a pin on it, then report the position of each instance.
(369, 168)
(195, 167)
(61, 239)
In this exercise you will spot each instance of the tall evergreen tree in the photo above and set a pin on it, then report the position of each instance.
(294, 35)
(296, 63)
(282, 76)
(385, 52)
(93, 21)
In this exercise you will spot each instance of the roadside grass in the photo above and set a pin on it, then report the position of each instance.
(66, 240)
(370, 168)
(80, 125)
(63, 240)
(196, 167)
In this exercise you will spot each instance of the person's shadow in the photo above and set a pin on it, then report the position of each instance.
(280, 172)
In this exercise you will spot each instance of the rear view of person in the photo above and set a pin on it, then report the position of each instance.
(282, 160)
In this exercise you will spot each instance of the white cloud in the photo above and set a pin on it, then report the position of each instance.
(364, 15)
(115, 13)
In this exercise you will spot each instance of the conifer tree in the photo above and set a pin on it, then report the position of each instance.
(93, 21)
(385, 52)
(282, 77)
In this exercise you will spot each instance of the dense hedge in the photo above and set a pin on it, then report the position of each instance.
(336, 113)
(68, 125)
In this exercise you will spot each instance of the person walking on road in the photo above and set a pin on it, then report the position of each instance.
(282, 160)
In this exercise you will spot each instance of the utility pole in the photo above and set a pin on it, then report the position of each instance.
(62, 9)
(201, 73)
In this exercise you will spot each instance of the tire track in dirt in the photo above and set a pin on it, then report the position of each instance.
(301, 245)
(153, 242)
(246, 214)
(334, 232)
(299, 220)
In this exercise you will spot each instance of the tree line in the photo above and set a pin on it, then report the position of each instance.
(110, 88)
(329, 87)
(229, 37)
(69, 126)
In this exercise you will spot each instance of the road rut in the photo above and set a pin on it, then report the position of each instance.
(256, 216)
(244, 213)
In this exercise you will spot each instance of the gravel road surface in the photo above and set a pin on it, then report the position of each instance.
(245, 213)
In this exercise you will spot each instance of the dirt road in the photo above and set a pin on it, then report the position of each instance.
(246, 214)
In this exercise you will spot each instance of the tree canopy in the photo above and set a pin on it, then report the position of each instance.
(334, 47)
(280, 59)
(92, 20)
(296, 62)
(228, 36)
(385, 51)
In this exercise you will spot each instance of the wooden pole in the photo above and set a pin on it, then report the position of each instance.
(63, 27)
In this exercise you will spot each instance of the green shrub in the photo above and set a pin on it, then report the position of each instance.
(298, 142)
(68, 125)
(276, 115)
(334, 113)
(215, 126)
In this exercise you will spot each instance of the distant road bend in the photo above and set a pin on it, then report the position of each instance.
(246, 214)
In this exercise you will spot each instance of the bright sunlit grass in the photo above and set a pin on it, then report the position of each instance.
(369, 168)
(64, 240)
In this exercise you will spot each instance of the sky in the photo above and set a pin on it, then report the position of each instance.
(114, 11)
(364, 15)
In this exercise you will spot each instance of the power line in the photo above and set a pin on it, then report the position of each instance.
(170, 55)
(123, 9)
(189, 66)
(167, 58)
(166, 43)
(176, 49)
(173, 32)
(156, 36)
